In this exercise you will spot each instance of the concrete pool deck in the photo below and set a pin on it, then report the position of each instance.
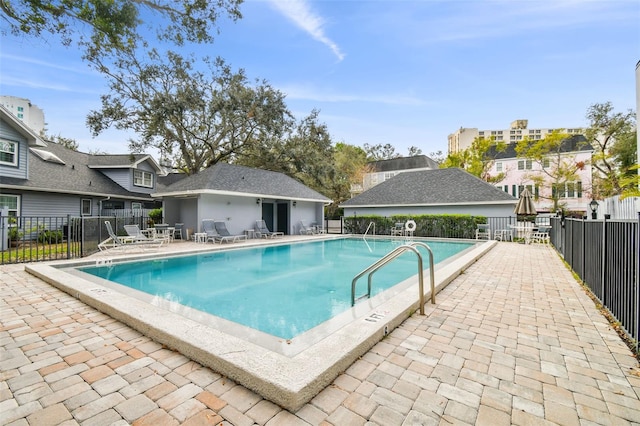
(513, 340)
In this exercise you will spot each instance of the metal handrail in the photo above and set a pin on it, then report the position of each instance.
(369, 227)
(388, 258)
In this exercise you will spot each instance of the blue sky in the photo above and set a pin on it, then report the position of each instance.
(399, 72)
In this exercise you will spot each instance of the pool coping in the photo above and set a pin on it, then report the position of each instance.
(289, 381)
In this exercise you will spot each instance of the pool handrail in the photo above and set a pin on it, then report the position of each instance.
(369, 227)
(388, 258)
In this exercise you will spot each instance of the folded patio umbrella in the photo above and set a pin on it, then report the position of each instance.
(525, 204)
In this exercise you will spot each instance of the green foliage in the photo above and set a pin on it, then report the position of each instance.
(103, 27)
(612, 136)
(555, 167)
(47, 236)
(194, 118)
(14, 233)
(478, 159)
(156, 215)
(438, 226)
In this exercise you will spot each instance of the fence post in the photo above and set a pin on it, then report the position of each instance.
(584, 248)
(69, 231)
(604, 259)
(638, 284)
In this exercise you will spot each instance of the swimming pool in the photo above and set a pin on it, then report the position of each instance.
(288, 372)
(281, 290)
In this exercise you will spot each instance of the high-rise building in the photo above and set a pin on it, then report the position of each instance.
(25, 111)
(462, 138)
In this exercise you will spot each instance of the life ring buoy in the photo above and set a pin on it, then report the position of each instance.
(410, 226)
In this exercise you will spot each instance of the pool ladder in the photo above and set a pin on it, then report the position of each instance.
(388, 258)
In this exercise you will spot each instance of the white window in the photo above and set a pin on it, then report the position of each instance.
(136, 206)
(8, 153)
(141, 178)
(545, 163)
(12, 202)
(524, 164)
(498, 167)
(85, 207)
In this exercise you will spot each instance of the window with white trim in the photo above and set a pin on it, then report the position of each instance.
(8, 152)
(85, 207)
(12, 202)
(136, 206)
(142, 178)
(524, 164)
(498, 166)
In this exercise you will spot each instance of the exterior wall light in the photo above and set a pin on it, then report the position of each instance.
(593, 205)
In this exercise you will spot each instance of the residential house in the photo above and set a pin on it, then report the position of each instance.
(440, 191)
(239, 196)
(41, 178)
(519, 172)
(382, 170)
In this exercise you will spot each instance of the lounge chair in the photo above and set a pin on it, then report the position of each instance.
(209, 228)
(221, 228)
(138, 235)
(263, 231)
(305, 230)
(126, 242)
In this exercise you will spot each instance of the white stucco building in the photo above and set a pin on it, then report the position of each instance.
(25, 111)
(462, 138)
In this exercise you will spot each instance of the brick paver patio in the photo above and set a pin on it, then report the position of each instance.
(513, 340)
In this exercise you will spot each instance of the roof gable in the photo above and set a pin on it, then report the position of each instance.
(121, 161)
(431, 187)
(223, 177)
(32, 138)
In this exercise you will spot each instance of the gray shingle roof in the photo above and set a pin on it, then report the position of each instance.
(404, 163)
(431, 187)
(111, 160)
(233, 178)
(574, 143)
(74, 176)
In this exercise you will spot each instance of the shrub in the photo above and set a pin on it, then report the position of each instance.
(50, 237)
(427, 225)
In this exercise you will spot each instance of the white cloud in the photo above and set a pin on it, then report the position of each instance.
(322, 95)
(300, 13)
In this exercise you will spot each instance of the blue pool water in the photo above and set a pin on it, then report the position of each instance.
(282, 290)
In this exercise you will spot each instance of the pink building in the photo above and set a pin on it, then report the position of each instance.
(520, 173)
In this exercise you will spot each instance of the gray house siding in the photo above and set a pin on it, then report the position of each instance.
(124, 178)
(141, 189)
(51, 204)
(19, 172)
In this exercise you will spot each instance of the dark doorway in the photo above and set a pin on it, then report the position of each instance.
(283, 218)
(267, 215)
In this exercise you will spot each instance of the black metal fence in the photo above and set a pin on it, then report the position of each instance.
(605, 254)
(42, 238)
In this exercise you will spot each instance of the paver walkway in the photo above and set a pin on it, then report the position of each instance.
(513, 340)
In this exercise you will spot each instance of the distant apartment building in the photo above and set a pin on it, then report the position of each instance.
(462, 138)
(25, 111)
